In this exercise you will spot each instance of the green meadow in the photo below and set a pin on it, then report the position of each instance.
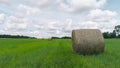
(56, 53)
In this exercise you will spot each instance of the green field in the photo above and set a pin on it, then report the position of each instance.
(57, 53)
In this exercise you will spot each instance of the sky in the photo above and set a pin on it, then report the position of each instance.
(47, 18)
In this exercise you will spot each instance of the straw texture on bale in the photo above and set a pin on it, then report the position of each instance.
(87, 41)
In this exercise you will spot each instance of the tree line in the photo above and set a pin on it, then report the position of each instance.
(65, 37)
(15, 36)
(114, 34)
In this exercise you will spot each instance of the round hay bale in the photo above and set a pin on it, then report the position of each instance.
(87, 41)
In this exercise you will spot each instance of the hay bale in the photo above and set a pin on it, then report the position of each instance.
(87, 41)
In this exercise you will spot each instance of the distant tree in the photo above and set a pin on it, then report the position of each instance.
(113, 34)
(55, 38)
(117, 30)
(106, 35)
(109, 34)
(66, 37)
(118, 36)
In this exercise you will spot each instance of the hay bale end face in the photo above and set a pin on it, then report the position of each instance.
(87, 41)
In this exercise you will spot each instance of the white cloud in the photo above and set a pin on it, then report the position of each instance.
(29, 18)
(7, 2)
(88, 25)
(2, 17)
(39, 26)
(55, 25)
(80, 6)
(100, 3)
(41, 3)
(104, 18)
(60, 25)
(53, 28)
(98, 15)
(24, 10)
(16, 24)
(4, 1)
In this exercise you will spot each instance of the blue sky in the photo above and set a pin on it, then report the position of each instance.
(113, 5)
(47, 18)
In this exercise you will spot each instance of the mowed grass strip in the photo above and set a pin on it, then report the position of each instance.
(56, 53)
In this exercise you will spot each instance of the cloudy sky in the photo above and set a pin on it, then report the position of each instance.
(46, 18)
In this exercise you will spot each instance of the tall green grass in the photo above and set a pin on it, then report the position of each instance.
(57, 53)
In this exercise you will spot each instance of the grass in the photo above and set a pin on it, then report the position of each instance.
(35, 53)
